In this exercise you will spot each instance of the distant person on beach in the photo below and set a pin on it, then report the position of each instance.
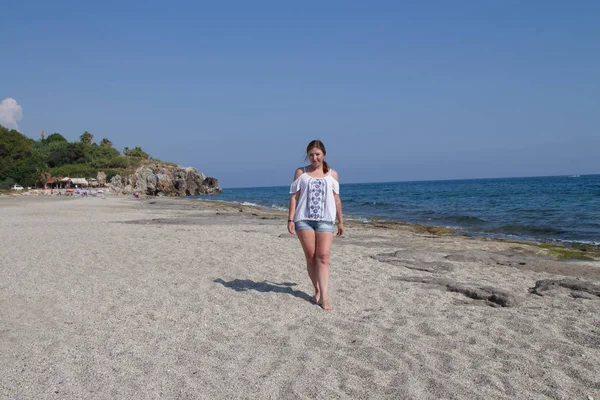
(314, 205)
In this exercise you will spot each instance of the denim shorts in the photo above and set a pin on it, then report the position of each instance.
(317, 226)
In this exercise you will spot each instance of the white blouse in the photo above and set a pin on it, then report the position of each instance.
(316, 201)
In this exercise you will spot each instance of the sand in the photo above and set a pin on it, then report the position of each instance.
(163, 298)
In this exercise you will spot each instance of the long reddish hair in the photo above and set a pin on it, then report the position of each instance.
(317, 144)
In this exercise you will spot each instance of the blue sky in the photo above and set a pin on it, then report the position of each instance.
(396, 90)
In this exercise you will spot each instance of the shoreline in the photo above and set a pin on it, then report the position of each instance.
(459, 231)
(592, 247)
(574, 251)
(522, 209)
(589, 249)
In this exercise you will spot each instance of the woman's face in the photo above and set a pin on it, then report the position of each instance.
(316, 156)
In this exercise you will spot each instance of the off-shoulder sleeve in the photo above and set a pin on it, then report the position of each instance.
(335, 186)
(295, 186)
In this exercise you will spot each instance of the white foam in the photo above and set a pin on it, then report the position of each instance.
(247, 203)
(359, 219)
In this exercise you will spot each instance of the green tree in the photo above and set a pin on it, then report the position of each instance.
(58, 154)
(136, 152)
(17, 161)
(13, 144)
(106, 143)
(43, 174)
(86, 137)
(55, 138)
(79, 153)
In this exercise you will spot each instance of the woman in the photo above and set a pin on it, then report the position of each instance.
(314, 205)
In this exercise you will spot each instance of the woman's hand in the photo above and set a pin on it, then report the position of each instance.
(291, 227)
(340, 231)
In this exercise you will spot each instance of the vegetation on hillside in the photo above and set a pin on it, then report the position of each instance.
(30, 162)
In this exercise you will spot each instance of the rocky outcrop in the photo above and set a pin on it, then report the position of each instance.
(101, 177)
(159, 180)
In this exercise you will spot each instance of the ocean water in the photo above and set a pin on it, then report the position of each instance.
(553, 208)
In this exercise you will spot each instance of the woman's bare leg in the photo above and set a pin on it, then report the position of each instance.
(324, 241)
(308, 240)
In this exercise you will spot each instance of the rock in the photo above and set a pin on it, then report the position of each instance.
(101, 177)
(187, 181)
(488, 293)
(145, 181)
(577, 294)
(161, 180)
(493, 296)
(210, 186)
(166, 186)
(116, 184)
(578, 287)
(178, 182)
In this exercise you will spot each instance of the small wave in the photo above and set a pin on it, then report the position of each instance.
(241, 203)
(358, 219)
(208, 199)
(380, 220)
(247, 203)
(453, 227)
(468, 218)
(278, 207)
(577, 242)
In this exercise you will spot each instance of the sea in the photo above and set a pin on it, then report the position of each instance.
(548, 209)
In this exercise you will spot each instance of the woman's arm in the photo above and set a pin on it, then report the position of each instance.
(338, 211)
(293, 202)
(338, 206)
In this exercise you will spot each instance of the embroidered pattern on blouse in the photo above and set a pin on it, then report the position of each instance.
(316, 198)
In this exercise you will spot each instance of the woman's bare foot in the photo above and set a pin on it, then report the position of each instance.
(316, 297)
(325, 306)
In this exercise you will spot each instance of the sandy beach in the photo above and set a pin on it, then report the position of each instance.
(179, 299)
